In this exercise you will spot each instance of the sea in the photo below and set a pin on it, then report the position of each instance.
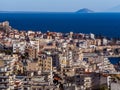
(114, 60)
(106, 24)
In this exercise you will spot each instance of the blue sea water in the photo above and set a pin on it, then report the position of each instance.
(114, 60)
(107, 24)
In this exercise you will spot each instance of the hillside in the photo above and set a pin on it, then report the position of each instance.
(85, 10)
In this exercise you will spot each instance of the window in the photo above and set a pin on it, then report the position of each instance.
(25, 89)
(33, 88)
(87, 80)
(39, 89)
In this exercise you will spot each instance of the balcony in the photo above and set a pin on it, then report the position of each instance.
(4, 77)
(3, 87)
(4, 82)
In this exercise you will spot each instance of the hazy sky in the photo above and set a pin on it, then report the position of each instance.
(56, 5)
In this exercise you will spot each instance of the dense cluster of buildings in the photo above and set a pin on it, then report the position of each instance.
(32, 60)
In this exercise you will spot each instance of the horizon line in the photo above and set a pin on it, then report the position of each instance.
(58, 11)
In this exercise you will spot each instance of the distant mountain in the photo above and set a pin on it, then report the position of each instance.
(85, 10)
(114, 9)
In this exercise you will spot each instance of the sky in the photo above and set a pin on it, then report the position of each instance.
(57, 5)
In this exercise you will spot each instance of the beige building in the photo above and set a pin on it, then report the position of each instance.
(98, 42)
(32, 52)
(32, 66)
(63, 61)
(87, 82)
(45, 64)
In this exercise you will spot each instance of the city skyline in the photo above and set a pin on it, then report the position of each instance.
(57, 6)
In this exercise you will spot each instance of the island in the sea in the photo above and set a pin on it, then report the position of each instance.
(85, 10)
